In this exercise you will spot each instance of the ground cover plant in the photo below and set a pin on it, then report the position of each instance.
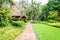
(9, 33)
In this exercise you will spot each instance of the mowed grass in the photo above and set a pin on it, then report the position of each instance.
(45, 32)
(9, 33)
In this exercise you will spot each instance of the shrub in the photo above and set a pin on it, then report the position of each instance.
(54, 24)
(3, 24)
(18, 23)
(44, 22)
(5, 17)
(52, 21)
(58, 18)
(53, 14)
(32, 21)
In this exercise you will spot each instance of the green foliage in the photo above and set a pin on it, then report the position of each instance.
(9, 33)
(52, 21)
(5, 12)
(38, 12)
(58, 18)
(44, 22)
(6, 2)
(33, 11)
(18, 23)
(3, 17)
(54, 4)
(34, 21)
(53, 14)
(55, 24)
(49, 10)
(3, 24)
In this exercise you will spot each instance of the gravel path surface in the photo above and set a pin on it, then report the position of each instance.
(28, 33)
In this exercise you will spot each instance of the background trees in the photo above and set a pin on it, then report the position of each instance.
(33, 10)
(54, 5)
(5, 12)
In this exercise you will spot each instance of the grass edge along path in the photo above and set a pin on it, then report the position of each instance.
(28, 33)
(46, 32)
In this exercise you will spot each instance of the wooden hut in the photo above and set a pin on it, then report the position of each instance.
(17, 13)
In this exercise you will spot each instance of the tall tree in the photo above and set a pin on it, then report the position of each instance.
(5, 11)
(45, 12)
(54, 5)
(6, 2)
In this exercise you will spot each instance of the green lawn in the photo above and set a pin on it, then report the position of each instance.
(9, 33)
(45, 32)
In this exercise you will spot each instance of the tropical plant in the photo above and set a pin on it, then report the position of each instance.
(54, 5)
(5, 11)
(18, 23)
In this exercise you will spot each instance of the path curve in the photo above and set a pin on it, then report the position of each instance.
(28, 33)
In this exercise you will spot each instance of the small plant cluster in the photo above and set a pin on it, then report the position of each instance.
(4, 17)
(9, 33)
(18, 23)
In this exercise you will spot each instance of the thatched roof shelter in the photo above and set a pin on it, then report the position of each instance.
(17, 11)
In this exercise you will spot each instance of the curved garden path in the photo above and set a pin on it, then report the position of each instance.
(28, 33)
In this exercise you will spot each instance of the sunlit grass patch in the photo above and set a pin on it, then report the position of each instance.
(46, 32)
